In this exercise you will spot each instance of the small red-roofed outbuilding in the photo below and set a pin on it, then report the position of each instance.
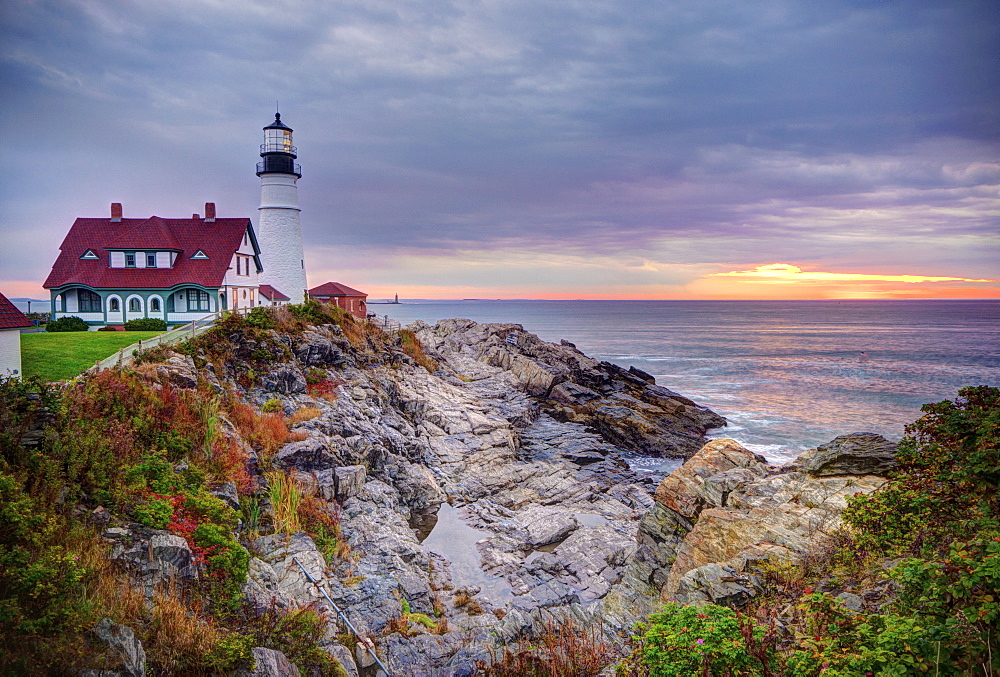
(12, 321)
(353, 301)
(269, 296)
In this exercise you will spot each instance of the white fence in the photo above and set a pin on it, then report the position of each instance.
(125, 356)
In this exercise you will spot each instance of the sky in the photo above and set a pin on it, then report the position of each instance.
(666, 149)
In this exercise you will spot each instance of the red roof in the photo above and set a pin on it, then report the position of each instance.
(335, 289)
(10, 316)
(218, 239)
(269, 292)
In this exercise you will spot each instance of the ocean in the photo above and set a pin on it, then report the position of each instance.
(788, 375)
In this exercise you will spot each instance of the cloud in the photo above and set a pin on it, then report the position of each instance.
(786, 272)
(835, 134)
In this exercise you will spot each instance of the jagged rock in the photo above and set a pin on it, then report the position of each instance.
(851, 601)
(317, 350)
(348, 481)
(721, 514)
(700, 482)
(591, 559)
(284, 379)
(537, 525)
(180, 370)
(342, 655)
(159, 557)
(261, 588)
(125, 644)
(270, 663)
(715, 584)
(227, 493)
(854, 454)
(307, 455)
(288, 581)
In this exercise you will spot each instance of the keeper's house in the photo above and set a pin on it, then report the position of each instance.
(111, 270)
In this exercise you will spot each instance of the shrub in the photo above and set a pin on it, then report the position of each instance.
(107, 327)
(228, 562)
(146, 324)
(260, 317)
(298, 634)
(840, 642)
(68, 323)
(687, 640)
(273, 406)
(155, 513)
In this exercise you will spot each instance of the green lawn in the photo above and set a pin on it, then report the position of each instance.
(62, 355)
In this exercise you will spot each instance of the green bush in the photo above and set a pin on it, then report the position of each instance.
(228, 563)
(272, 406)
(41, 581)
(838, 642)
(68, 323)
(146, 324)
(155, 513)
(687, 640)
(260, 317)
(941, 511)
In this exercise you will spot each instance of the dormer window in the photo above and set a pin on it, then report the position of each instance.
(89, 254)
(151, 260)
(199, 255)
(130, 259)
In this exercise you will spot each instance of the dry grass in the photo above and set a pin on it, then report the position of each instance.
(561, 651)
(109, 588)
(179, 637)
(468, 604)
(286, 497)
(304, 414)
(411, 346)
(264, 432)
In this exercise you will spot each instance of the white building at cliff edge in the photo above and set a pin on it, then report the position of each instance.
(279, 232)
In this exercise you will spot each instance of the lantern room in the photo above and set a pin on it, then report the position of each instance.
(277, 150)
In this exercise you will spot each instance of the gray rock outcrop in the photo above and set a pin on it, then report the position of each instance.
(726, 510)
(125, 645)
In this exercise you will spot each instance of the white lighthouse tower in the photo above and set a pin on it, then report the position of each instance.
(279, 233)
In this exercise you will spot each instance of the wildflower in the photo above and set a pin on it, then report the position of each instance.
(701, 641)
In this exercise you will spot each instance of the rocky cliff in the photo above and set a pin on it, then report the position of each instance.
(512, 460)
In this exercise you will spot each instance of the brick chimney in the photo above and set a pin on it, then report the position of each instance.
(116, 212)
(210, 212)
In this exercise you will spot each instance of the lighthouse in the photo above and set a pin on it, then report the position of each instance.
(279, 233)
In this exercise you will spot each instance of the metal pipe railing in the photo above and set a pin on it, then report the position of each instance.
(343, 617)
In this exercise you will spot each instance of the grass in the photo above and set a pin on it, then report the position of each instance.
(61, 355)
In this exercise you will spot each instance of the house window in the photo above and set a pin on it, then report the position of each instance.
(89, 301)
(154, 305)
(113, 306)
(239, 265)
(197, 300)
(151, 260)
(133, 305)
(130, 260)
